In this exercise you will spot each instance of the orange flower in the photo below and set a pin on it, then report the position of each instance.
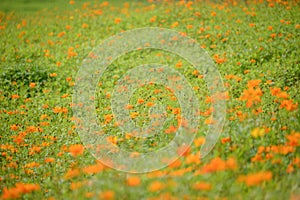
(177, 163)
(140, 101)
(34, 150)
(178, 64)
(202, 186)
(31, 129)
(93, 169)
(199, 141)
(61, 34)
(253, 83)
(176, 111)
(107, 195)
(289, 105)
(15, 96)
(180, 172)
(198, 14)
(128, 107)
(252, 95)
(217, 164)
(133, 181)
(14, 127)
(68, 27)
(49, 160)
(175, 24)
(118, 20)
(193, 158)
(76, 149)
(293, 139)
(213, 14)
(255, 178)
(171, 129)
(53, 75)
(189, 26)
(64, 96)
(60, 110)
(18, 190)
(32, 165)
(75, 185)
(155, 174)
(32, 85)
(225, 140)
(219, 60)
(71, 173)
(282, 149)
(156, 186)
(84, 25)
(283, 95)
(290, 168)
(153, 19)
(273, 35)
(183, 150)
(97, 12)
(18, 139)
(71, 52)
(149, 104)
(108, 118)
(275, 91)
(209, 121)
(134, 115)
(27, 188)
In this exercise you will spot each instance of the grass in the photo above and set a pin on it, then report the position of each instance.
(255, 47)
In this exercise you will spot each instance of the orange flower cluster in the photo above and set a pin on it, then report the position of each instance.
(255, 178)
(60, 110)
(217, 164)
(282, 149)
(18, 190)
(75, 185)
(71, 173)
(71, 52)
(293, 139)
(252, 94)
(289, 105)
(76, 149)
(294, 163)
(171, 129)
(219, 60)
(94, 169)
(20, 137)
(265, 153)
(286, 103)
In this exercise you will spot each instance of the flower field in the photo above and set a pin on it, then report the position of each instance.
(255, 48)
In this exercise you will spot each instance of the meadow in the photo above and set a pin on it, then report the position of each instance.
(255, 48)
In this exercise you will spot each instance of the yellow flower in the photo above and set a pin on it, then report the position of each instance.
(257, 132)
